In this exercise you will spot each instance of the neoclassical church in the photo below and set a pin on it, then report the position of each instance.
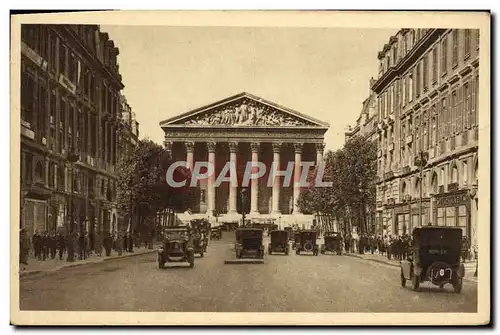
(239, 129)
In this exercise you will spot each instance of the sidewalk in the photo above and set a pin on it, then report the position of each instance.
(36, 266)
(470, 266)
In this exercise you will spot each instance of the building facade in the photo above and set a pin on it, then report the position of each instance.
(70, 110)
(242, 129)
(366, 123)
(427, 92)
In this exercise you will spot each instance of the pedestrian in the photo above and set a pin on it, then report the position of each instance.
(81, 244)
(61, 245)
(45, 245)
(24, 247)
(37, 245)
(53, 245)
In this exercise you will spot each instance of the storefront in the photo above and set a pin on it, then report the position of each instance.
(406, 216)
(453, 210)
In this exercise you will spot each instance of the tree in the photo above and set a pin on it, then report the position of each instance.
(351, 198)
(142, 190)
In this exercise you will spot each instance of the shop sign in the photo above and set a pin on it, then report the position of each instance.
(452, 200)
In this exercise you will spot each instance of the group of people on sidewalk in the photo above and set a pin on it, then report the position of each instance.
(394, 247)
(44, 246)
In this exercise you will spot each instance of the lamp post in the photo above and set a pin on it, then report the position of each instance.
(72, 158)
(243, 205)
(421, 162)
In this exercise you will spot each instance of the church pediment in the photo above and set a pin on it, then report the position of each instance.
(244, 110)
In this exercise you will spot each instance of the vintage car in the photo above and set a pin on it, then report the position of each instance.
(279, 242)
(332, 243)
(216, 233)
(198, 237)
(434, 257)
(305, 241)
(249, 243)
(177, 247)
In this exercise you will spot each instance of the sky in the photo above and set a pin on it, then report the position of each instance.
(321, 72)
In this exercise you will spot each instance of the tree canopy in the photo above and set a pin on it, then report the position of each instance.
(352, 171)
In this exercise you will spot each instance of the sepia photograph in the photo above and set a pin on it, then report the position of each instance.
(259, 167)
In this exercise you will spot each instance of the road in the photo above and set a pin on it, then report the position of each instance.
(294, 283)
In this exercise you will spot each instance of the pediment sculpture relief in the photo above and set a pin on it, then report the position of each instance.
(246, 114)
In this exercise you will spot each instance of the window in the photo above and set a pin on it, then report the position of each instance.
(425, 75)
(29, 35)
(454, 174)
(27, 92)
(389, 105)
(44, 42)
(434, 64)
(467, 100)
(462, 219)
(465, 172)
(72, 68)
(475, 102)
(444, 118)
(203, 197)
(477, 38)
(410, 87)
(53, 52)
(42, 112)
(466, 43)
(453, 112)
(62, 59)
(454, 56)
(444, 59)
(419, 79)
(450, 216)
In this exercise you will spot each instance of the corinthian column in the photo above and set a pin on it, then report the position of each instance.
(254, 204)
(168, 146)
(233, 189)
(296, 177)
(211, 178)
(276, 181)
(320, 148)
(190, 155)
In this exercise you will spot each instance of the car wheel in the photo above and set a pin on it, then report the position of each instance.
(297, 251)
(201, 255)
(403, 279)
(270, 251)
(441, 285)
(457, 285)
(286, 251)
(191, 264)
(415, 282)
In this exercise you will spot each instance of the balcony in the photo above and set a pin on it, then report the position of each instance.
(389, 175)
(26, 130)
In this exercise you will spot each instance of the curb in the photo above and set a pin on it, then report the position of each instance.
(72, 265)
(471, 280)
(244, 261)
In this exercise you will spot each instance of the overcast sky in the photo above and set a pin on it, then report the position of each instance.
(322, 72)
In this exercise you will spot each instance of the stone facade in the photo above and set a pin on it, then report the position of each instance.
(241, 129)
(70, 103)
(428, 104)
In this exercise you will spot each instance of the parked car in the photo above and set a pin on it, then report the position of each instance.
(434, 257)
(249, 243)
(306, 242)
(216, 233)
(177, 247)
(332, 243)
(279, 242)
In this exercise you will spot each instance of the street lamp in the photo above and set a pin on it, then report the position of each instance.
(72, 158)
(421, 162)
(243, 205)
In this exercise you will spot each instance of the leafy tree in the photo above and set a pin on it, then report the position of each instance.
(142, 190)
(351, 198)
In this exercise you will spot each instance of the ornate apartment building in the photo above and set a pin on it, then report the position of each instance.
(71, 109)
(366, 123)
(427, 92)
